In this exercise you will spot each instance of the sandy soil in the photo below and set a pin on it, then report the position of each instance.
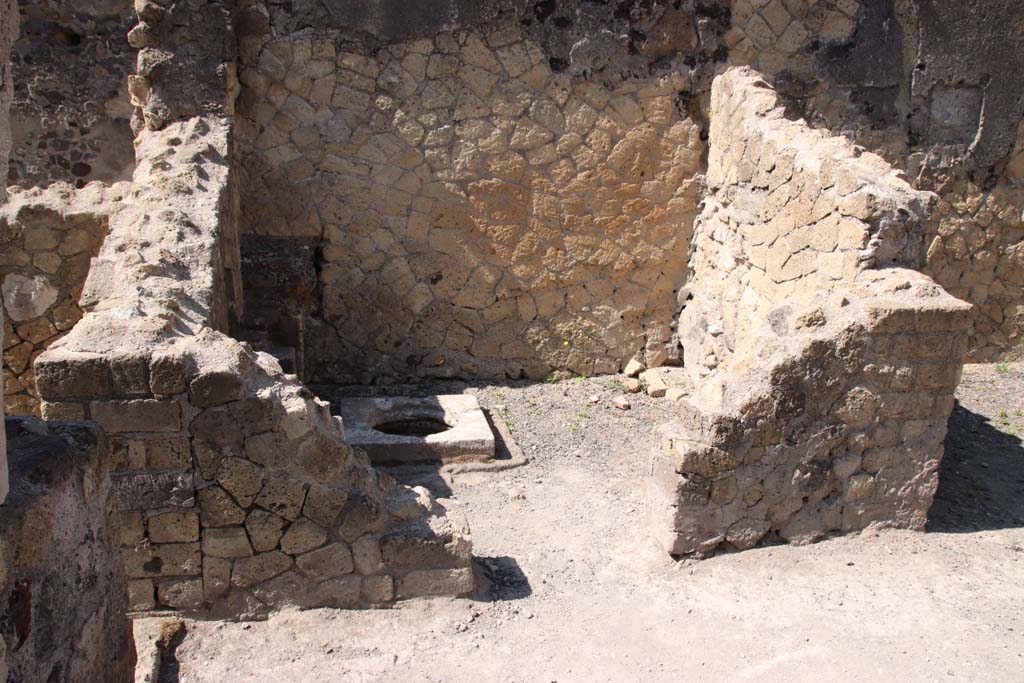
(572, 589)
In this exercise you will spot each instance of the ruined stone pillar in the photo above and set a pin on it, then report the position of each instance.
(8, 34)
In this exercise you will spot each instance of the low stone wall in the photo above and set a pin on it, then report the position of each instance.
(62, 584)
(48, 238)
(237, 490)
(825, 371)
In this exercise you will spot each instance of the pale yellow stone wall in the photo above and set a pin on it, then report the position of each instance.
(792, 216)
(479, 215)
(822, 391)
(973, 243)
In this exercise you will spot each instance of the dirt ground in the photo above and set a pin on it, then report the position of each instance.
(571, 589)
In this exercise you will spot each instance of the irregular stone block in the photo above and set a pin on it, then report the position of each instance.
(265, 529)
(283, 497)
(303, 536)
(323, 504)
(241, 478)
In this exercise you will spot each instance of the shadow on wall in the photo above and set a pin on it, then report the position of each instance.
(981, 479)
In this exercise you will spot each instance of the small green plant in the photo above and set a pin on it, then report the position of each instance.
(1017, 413)
(571, 427)
(551, 379)
(583, 414)
(531, 411)
(615, 385)
(1002, 368)
(1003, 416)
(510, 424)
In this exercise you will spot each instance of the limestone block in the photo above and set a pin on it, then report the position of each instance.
(174, 527)
(343, 591)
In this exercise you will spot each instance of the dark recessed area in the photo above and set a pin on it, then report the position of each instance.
(413, 426)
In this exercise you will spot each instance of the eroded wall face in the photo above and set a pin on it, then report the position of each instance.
(474, 203)
(71, 113)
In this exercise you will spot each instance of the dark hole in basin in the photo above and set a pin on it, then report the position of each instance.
(413, 426)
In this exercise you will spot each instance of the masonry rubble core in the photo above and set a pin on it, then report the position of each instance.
(496, 190)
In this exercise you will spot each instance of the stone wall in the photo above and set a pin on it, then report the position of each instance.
(929, 86)
(61, 583)
(71, 111)
(236, 489)
(792, 214)
(825, 369)
(478, 201)
(48, 238)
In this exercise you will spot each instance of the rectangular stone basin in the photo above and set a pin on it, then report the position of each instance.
(450, 428)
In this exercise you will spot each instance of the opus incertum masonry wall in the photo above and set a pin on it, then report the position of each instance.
(769, 194)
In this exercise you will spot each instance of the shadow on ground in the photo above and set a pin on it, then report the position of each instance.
(981, 479)
(503, 579)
